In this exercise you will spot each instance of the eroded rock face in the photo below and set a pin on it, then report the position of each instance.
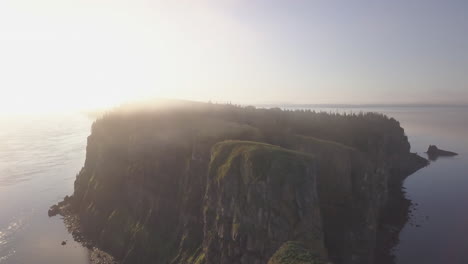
(258, 197)
(351, 192)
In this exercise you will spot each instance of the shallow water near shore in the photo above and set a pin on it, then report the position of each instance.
(40, 156)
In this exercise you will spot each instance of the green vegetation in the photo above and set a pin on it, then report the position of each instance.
(293, 252)
(323, 143)
(363, 131)
(262, 157)
(200, 259)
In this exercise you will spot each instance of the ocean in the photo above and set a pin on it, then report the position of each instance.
(39, 159)
(41, 155)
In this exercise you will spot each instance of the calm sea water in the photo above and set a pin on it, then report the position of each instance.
(438, 229)
(40, 156)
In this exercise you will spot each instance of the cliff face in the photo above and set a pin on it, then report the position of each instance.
(351, 192)
(166, 187)
(258, 197)
(141, 190)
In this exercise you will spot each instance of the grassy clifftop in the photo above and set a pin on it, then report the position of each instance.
(261, 155)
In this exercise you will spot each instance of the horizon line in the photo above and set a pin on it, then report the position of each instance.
(363, 105)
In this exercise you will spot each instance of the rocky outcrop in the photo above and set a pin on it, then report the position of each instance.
(433, 152)
(164, 186)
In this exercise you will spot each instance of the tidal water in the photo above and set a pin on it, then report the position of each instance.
(40, 156)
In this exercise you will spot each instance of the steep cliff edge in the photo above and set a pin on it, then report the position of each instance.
(258, 197)
(351, 191)
(164, 186)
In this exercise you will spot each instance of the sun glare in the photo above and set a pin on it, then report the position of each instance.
(53, 60)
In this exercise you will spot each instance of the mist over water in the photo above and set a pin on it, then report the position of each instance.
(40, 157)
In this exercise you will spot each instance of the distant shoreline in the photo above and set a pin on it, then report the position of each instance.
(360, 105)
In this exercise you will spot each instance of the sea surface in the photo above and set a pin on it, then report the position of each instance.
(39, 159)
(41, 155)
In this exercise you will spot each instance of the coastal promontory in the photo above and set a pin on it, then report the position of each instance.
(218, 183)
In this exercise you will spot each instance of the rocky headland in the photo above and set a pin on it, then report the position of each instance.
(208, 183)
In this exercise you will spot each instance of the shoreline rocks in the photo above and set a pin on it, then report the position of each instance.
(73, 225)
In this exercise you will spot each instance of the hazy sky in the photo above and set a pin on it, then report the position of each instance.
(68, 54)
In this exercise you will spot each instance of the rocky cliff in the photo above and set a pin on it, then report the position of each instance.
(206, 183)
(258, 197)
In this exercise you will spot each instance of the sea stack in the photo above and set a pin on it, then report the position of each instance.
(434, 152)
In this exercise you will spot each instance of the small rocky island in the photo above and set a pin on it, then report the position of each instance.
(433, 152)
(209, 183)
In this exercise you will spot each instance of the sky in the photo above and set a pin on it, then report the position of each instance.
(58, 55)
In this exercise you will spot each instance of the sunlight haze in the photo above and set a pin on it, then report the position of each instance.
(233, 131)
(60, 55)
